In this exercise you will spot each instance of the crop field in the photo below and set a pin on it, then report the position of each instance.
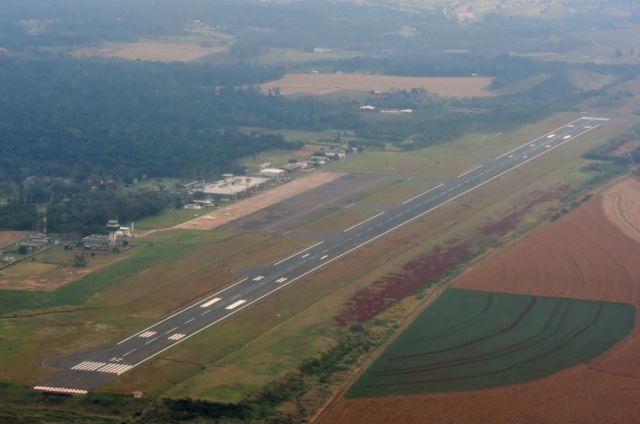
(157, 51)
(470, 340)
(589, 253)
(319, 84)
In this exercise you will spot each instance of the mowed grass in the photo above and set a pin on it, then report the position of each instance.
(169, 218)
(168, 249)
(470, 340)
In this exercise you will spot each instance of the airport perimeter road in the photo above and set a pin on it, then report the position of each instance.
(84, 371)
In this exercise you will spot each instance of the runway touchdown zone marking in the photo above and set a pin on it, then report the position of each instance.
(235, 305)
(211, 302)
(147, 334)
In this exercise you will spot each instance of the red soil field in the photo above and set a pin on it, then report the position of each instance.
(372, 300)
(583, 255)
(606, 390)
(591, 253)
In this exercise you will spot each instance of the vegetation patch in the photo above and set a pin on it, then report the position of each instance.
(470, 340)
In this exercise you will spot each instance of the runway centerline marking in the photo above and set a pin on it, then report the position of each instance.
(297, 253)
(422, 194)
(469, 171)
(362, 222)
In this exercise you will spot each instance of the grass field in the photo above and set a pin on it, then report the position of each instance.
(169, 218)
(470, 340)
(52, 269)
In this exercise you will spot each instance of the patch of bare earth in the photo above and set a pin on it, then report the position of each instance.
(152, 51)
(10, 237)
(258, 202)
(318, 84)
(583, 255)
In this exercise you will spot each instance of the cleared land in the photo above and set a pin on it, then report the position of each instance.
(52, 269)
(473, 340)
(620, 204)
(583, 255)
(319, 84)
(151, 50)
(258, 202)
(9, 237)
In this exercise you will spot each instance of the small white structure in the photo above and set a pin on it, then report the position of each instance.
(272, 172)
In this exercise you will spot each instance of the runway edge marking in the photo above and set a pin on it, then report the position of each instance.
(246, 305)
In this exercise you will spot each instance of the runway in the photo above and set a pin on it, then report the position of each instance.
(85, 371)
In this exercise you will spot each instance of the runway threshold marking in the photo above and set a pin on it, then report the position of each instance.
(235, 304)
(422, 194)
(297, 253)
(88, 366)
(469, 171)
(362, 222)
(237, 309)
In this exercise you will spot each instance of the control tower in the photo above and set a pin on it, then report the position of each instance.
(112, 228)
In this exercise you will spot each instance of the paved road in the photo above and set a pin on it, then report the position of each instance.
(84, 371)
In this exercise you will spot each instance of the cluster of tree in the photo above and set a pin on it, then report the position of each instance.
(77, 118)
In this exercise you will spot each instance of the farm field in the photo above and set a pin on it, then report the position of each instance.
(319, 84)
(587, 254)
(157, 51)
(8, 237)
(474, 340)
(572, 265)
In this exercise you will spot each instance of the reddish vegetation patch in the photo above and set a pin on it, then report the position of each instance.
(604, 391)
(372, 300)
(512, 219)
(582, 255)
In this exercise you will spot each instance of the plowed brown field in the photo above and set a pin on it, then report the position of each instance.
(583, 255)
(605, 391)
(591, 253)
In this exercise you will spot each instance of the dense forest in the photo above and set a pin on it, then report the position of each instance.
(75, 133)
